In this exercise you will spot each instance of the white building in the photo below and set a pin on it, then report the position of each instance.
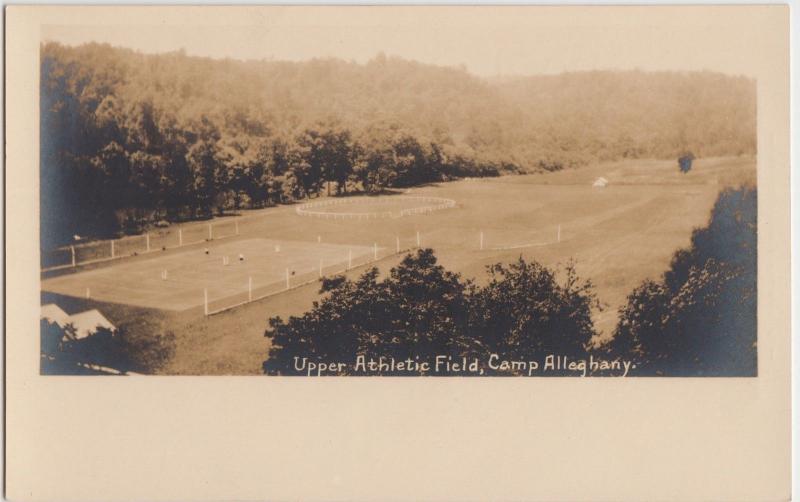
(85, 323)
(53, 314)
(600, 182)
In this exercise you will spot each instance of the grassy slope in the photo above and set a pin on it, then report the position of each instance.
(619, 236)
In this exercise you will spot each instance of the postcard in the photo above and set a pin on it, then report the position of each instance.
(577, 218)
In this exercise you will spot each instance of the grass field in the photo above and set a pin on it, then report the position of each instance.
(366, 205)
(178, 281)
(618, 236)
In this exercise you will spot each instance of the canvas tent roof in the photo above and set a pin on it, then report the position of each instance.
(86, 323)
(54, 314)
(600, 182)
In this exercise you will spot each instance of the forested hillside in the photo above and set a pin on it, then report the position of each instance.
(128, 138)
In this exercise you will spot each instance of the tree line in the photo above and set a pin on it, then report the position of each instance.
(699, 319)
(128, 139)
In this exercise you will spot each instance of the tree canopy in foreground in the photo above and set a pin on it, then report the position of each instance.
(700, 319)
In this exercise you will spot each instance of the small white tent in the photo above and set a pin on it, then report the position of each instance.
(600, 182)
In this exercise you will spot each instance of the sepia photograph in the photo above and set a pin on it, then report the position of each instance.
(241, 242)
(245, 210)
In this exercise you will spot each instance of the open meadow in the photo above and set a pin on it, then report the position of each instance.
(618, 235)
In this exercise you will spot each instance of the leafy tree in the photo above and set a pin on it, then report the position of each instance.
(375, 168)
(202, 161)
(420, 311)
(338, 154)
(309, 161)
(524, 312)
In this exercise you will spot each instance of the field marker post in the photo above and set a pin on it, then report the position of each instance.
(320, 268)
(210, 235)
(249, 289)
(72, 248)
(112, 249)
(481, 240)
(287, 278)
(349, 259)
(147, 236)
(205, 300)
(374, 250)
(559, 232)
(397, 244)
(417, 238)
(180, 237)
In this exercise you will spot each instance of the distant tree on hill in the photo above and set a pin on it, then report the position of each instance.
(685, 162)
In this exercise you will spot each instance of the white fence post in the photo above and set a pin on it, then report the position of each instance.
(205, 300)
(287, 278)
(112, 249)
(180, 237)
(72, 248)
(320, 268)
(249, 289)
(397, 242)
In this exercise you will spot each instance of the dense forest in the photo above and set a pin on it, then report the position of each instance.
(128, 139)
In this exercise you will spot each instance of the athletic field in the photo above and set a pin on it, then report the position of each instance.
(618, 236)
(226, 270)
